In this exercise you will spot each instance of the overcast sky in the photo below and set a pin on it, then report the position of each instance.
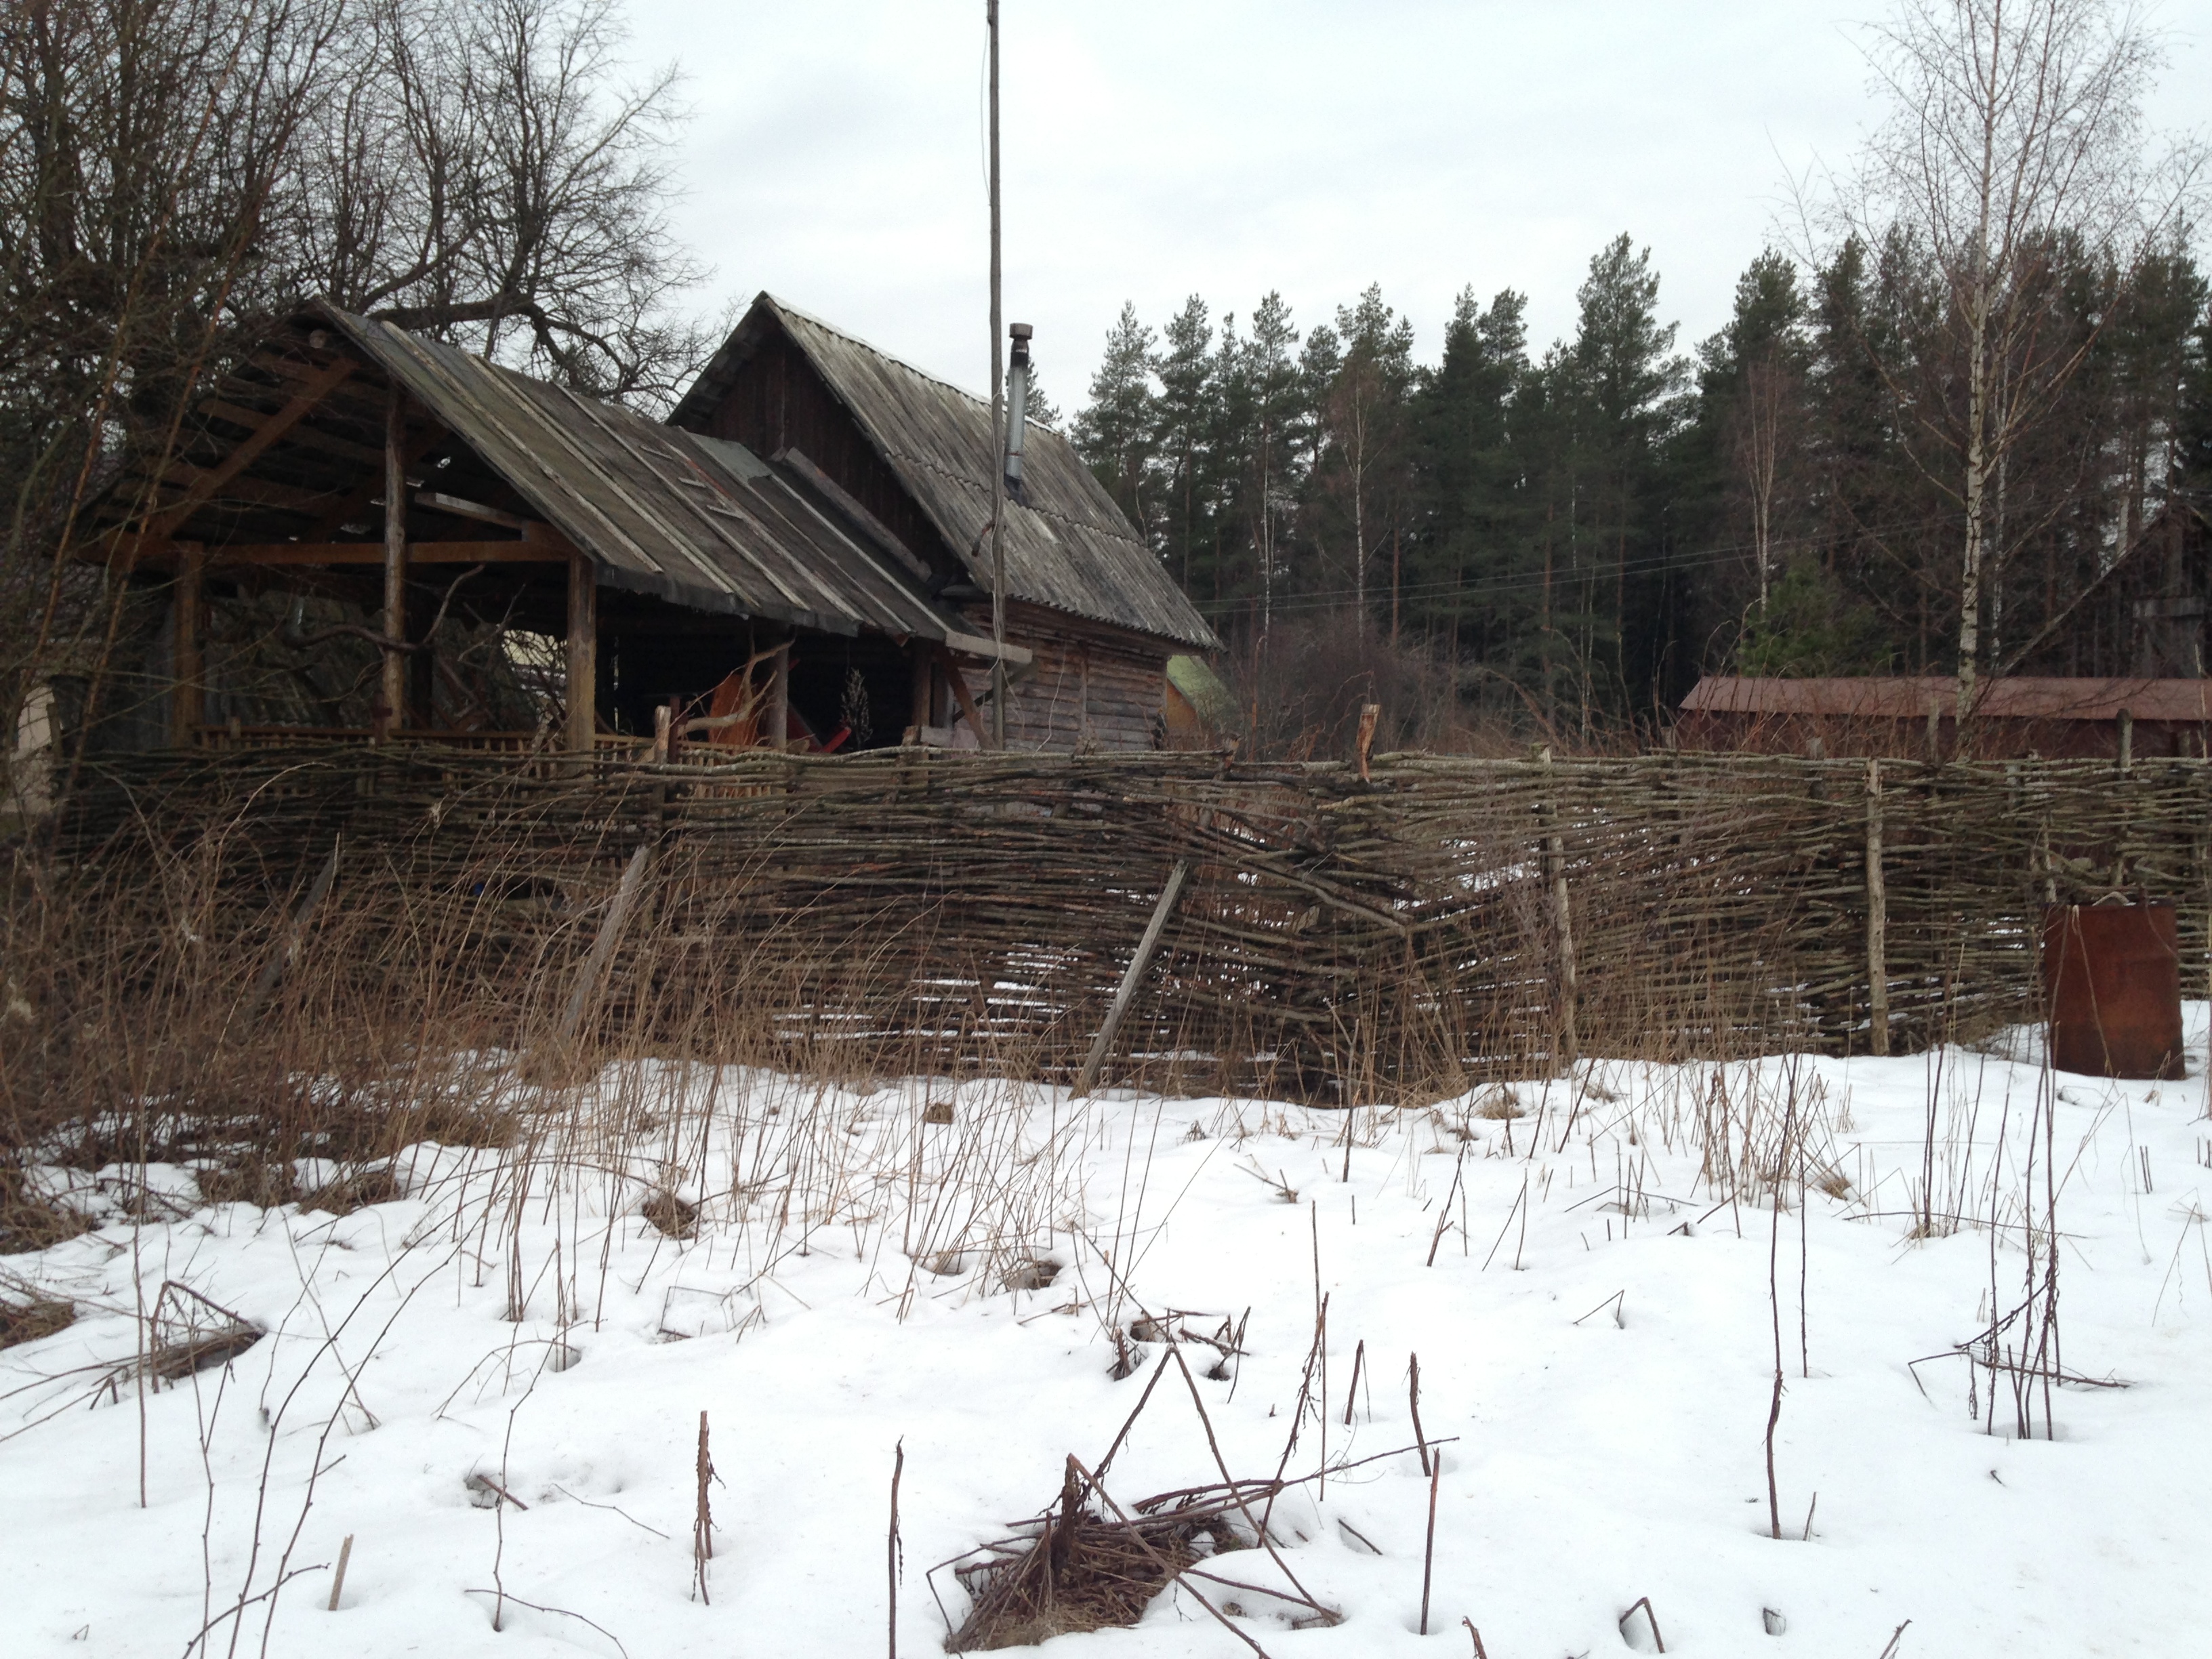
(1154, 151)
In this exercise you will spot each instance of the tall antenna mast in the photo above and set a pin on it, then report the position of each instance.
(998, 421)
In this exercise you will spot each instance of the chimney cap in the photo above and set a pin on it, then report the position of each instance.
(1020, 330)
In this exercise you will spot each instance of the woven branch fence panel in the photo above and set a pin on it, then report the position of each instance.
(1339, 937)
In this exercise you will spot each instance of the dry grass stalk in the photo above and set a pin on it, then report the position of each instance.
(27, 1313)
(702, 1519)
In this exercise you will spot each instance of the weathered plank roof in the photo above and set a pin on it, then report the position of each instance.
(695, 521)
(1070, 548)
(1909, 699)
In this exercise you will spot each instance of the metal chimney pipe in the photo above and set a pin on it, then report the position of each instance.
(1018, 404)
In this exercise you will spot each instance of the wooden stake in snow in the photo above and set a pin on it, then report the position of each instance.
(337, 1578)
(1877, 894)
(1134, 977)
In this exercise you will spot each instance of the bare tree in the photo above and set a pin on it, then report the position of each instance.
(2014, 144)
(492, 178)
(1763, 434)
(177, 174)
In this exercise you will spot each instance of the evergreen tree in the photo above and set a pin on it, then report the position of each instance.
(1360, 377)
(1467, 541)
(1624, 380)
(1115, 432)
(1183, 442)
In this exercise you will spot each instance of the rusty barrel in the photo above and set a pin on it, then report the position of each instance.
(2112, 982)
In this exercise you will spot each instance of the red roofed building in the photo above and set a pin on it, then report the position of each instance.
(1913, 717)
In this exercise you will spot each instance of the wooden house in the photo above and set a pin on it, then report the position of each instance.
(907, 460)
(782, 577)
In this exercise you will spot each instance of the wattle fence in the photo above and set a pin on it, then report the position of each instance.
(1338, 936)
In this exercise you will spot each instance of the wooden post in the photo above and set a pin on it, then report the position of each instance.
(779, 698)
(2127, 724)
(188, 695)
(583, 654)
(1877, 894)
(986, 736)
(925, 665)
(1555, 871)
(392, 695)
(1131, 977)
(660, 733)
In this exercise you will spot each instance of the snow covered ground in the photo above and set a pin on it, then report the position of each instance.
(1596, 1337)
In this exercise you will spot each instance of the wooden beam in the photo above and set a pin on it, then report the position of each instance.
(358, 502)
(162, 527)
(984, 737)
(454, 507)
(308, 437)
(846, 503)
(188, 689)
(1131, 977)
(393, 696)
(181, 476)
(583, 654)
(981, 645)
(311, 553)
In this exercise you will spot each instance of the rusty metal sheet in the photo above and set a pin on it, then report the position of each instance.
(2112, 983)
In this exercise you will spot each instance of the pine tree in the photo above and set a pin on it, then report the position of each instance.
(1115, 432)
(1183, 442)
(1467, 543)
(1624, 380)
(1361, 389)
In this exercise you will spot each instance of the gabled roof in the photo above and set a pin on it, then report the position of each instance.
(1070, 548)
(694, 521)
(702, 523)
(1910, 699)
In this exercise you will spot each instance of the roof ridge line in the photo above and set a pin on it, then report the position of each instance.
(892, 357)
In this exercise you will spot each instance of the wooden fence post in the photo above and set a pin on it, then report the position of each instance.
(1877, 933)
(583, 655)
(1555, 873)
(391, 685)
(779, 698)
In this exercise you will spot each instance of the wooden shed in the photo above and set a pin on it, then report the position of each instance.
(1916, 717)
(622, 566)
(910, 458)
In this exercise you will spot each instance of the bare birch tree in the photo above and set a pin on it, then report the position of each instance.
(2015, 139)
